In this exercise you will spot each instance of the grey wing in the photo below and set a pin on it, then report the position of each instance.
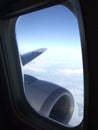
(26, 58)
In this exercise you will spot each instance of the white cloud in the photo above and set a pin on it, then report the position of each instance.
(71, 71)
(34, 69)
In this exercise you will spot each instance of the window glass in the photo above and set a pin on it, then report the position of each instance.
(50, 51)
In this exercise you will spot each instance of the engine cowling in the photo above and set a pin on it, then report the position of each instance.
(49, 99)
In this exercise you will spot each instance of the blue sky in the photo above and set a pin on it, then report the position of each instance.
(54, 27)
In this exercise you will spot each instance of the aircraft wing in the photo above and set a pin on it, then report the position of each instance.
(26, 58)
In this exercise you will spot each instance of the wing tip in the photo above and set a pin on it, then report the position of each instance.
(41, 49)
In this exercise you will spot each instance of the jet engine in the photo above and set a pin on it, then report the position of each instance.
(48, 99)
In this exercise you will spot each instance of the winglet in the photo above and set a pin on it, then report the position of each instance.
(26, 58)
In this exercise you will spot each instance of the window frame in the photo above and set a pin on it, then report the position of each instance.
(20, 105)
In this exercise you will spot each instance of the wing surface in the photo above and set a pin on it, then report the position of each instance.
(26, 58)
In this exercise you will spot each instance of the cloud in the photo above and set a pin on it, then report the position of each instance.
(34, 69)
(70, 71)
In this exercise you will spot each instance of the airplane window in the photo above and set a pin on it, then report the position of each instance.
(51, 58)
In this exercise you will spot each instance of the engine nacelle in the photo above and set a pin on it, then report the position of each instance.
(49, 99)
